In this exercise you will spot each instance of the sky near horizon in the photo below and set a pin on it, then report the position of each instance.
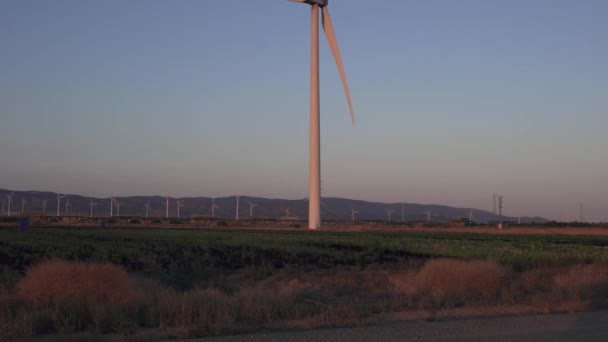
(455, 100)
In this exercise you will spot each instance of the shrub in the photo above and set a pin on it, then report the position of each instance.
(582, 281)
(455, 282)
(94, 283)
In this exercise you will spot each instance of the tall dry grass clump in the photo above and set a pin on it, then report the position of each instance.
(582, 282)
(458, 282)
(55, 281)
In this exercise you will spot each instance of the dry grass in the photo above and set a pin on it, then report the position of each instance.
(452, 282)
(96, 283)
(582, 278)
(67, 297)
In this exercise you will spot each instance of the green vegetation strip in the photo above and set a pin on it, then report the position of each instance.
(185, 258)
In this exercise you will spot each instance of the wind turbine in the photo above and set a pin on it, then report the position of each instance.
(389, 212)
(44, 207)
(314, 196)
(213, 206)
(428, 215)
(251, 205)
(118, 204)
(67, 205)
(22, 205)
(59, 197)
(111, 205)
(287, 212)
(167, 205)
(92, 205)
(10, 201)
(470, 213)
(354, 212)
(147, 206)
(237, 207)
(180, 204)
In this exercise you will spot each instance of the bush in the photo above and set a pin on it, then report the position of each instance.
(453, 282)
(582, 281)
(93, 283)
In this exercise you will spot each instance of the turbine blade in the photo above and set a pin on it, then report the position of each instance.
(333, 44)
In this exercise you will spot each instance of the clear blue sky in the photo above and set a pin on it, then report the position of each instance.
(455, 100)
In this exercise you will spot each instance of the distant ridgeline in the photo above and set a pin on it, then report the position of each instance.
(333, 209)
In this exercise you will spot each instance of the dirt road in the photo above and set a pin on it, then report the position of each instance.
(588, 326)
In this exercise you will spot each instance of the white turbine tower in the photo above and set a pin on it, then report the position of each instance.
(389, 212)
(167, 205)
(92, 205)
(287, 212)
(10, 201)
(111, 206)
(59, 197)
(213, 207)
(44, 202)
(118, 204)
(147, 206)
(470, 213)
(237, 207)
(22, 206)
(180, 204)
(67, 205)
(314, 196)
(251, 205)
(353, 213)
(428, 215)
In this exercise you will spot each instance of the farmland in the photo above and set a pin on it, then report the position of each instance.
(200, 282)
(184, 258)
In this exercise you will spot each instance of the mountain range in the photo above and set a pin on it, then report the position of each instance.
(331, 209)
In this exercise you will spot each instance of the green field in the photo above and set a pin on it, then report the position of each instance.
(187, 258)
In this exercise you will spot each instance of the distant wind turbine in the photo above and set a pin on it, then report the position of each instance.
(389, 212)
(237, 207)
(167, 206)
(213, 207)
(470, 213)
(44, 202)
(10, 201)
(111, 206)
(147, 206)
(428, 215)
(59, 197)
(180, 204)
(287, 212)
(67, 205)
(353, 213)
(92, 205)
(118, 204)
(314, 197)
(22, 206)
(251, 205)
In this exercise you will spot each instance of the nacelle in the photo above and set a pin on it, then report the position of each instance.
(321, 3)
